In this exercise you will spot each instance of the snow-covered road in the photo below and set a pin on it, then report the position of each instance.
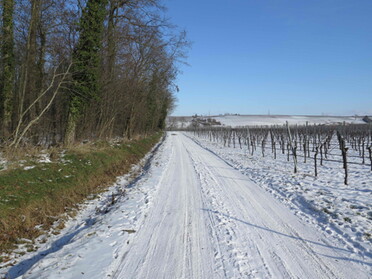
(194, 216)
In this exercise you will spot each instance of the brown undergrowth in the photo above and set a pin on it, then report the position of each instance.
(32, 199)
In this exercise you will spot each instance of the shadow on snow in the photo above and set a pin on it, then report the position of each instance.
(294, 237)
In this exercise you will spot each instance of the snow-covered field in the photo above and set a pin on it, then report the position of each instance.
(194, 213)
(259, 120)
(344, 211)
(266, 120)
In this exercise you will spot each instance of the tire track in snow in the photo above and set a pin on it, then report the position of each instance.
(282, 248)
(198, 217)
(173, 241)
(300, 208)
(235, 261)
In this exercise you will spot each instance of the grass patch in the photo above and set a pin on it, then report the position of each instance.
(30, 199)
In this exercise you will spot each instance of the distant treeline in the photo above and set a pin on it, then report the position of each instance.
(85, 69)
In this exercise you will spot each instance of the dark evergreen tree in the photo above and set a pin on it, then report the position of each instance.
(7, 76)
(86, 67)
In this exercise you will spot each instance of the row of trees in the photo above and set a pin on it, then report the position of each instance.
(73, 69)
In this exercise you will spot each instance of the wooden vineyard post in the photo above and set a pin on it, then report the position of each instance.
(248, 140)
(293, 149)
(315, 162)
(344, 158)
(344, 149)
(305, 140)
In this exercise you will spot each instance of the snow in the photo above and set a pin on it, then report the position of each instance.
(3, 162)
(323, 201)
(95, 235)
(265, 120)
(193, 214)
(44, 158)
(29, 167)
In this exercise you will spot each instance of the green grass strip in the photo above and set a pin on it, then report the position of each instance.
(35, 196)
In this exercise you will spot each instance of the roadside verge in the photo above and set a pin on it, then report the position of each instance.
(32, 198)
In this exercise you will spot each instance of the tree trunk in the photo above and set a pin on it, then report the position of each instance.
(31, 76)
(111, 40)
(70, 130)
(8, 70)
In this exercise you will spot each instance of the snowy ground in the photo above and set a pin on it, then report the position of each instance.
(259, 120)
(266, 120)
(192, 214)
(342, 210)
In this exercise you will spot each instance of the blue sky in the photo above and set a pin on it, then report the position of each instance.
(277, 56)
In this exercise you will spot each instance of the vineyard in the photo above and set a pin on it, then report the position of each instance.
(316, 144)
(321, 172)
